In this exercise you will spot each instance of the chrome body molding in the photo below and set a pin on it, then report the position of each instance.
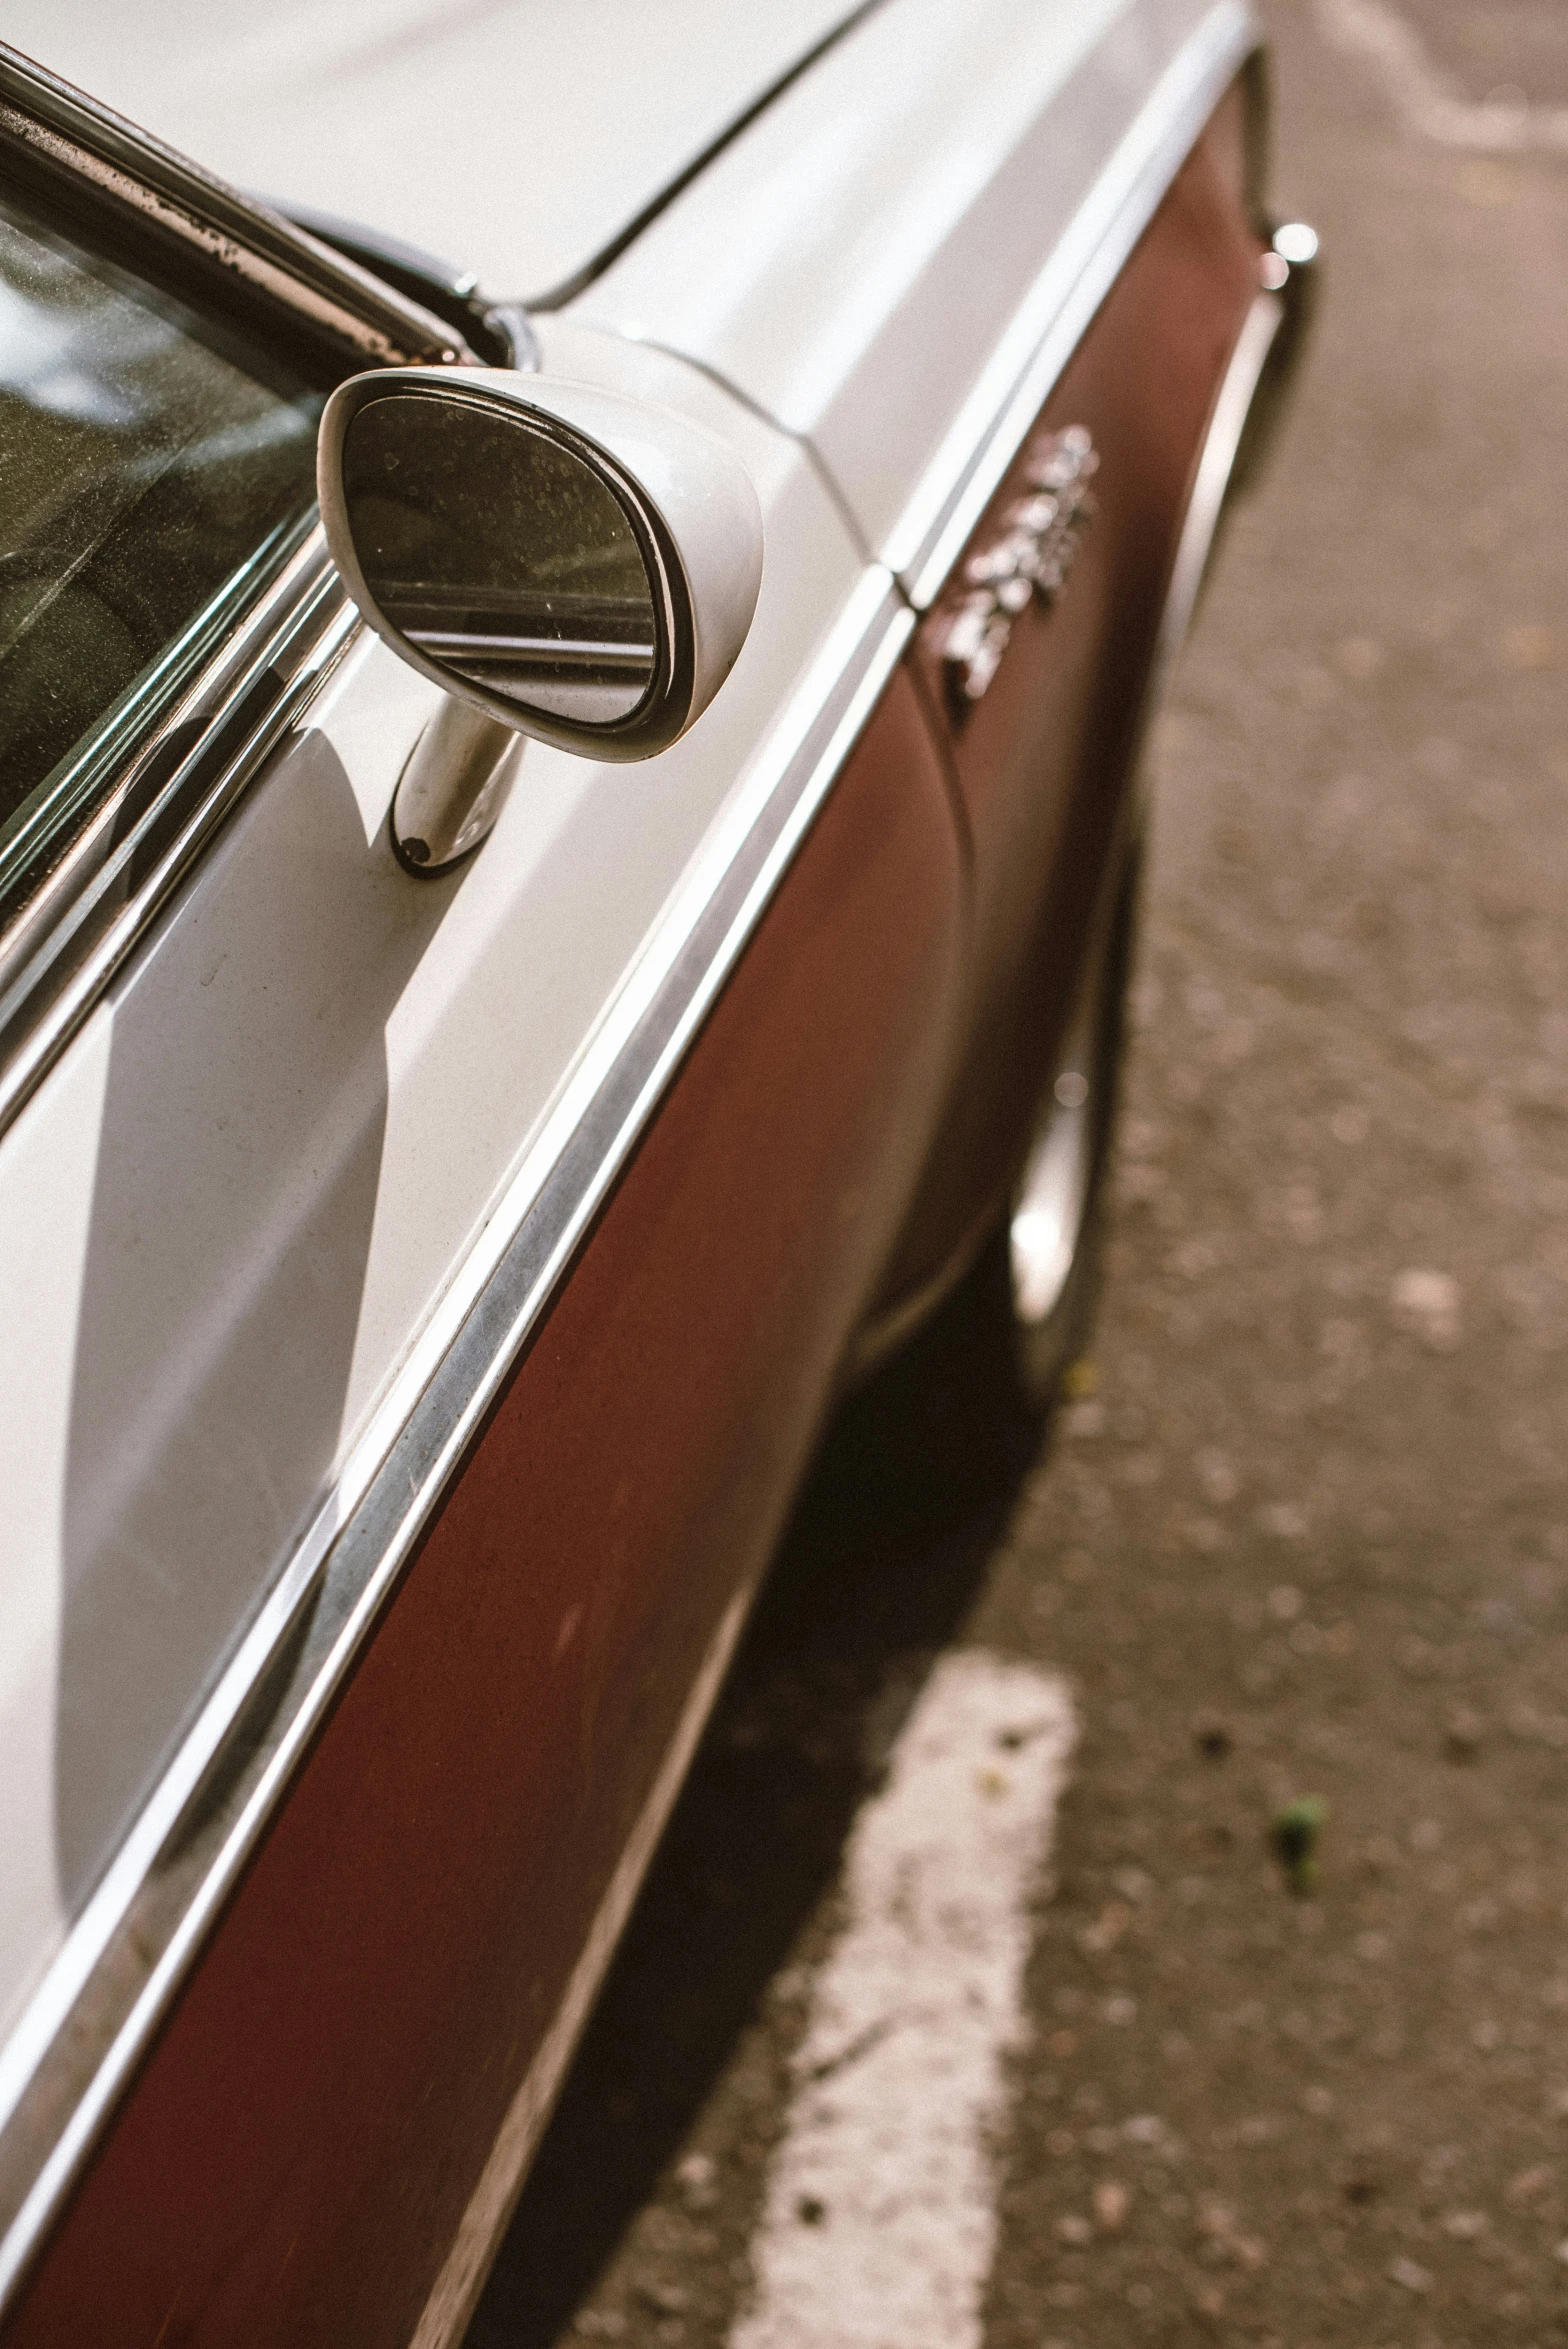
(89, 915)
(93, 2015)
(1212, 481)
(500, 334)
(1252, 396)
(1051, 320)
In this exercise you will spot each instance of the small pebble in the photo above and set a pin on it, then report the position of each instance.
(1359, 657)
(696, 2179)
(1426, 1304)
(1284, 1520)
(1110, 2205)
(1465, 2225)
(1462, 1734)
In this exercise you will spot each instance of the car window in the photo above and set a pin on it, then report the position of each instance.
(149, 461)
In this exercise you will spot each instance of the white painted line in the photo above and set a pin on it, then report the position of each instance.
(880, 2218)
(1428, 99)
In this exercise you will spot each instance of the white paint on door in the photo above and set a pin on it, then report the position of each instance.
(880, 2216)
(48, 1174)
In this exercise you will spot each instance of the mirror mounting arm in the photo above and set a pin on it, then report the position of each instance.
(456, 782)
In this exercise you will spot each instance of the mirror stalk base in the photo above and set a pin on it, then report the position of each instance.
(453, 788)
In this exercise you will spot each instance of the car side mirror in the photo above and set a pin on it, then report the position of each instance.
(581, 566)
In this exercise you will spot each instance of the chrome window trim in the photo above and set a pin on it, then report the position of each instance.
(66, 941)
(77, 929)
(1051, 320)
(108, 1987)
(225, 233)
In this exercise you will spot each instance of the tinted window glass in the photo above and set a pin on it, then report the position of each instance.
(145, 459)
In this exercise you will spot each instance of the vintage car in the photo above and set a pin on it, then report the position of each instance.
(568, 838)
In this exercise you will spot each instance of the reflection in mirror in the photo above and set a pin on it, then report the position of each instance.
(502, 555)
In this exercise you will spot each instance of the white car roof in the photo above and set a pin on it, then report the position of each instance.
(514, 137)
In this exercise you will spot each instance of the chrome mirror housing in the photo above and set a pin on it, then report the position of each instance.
(581, 566)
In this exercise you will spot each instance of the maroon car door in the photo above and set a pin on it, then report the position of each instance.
(396, 1982)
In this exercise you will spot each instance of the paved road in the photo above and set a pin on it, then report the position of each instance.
(1306, 1535)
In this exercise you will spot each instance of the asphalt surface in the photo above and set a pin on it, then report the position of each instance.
(1302, 1531)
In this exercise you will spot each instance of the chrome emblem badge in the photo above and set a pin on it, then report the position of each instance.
(1031, 561)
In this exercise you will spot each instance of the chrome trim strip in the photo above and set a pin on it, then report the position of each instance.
(1212, 488)
(1050, 322)
(1211, 483)
(74, 934)
(1214, 484)
(104, 1995)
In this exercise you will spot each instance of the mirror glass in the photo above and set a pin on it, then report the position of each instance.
(501, 555)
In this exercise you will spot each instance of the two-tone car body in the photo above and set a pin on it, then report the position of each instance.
(423, 1289)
